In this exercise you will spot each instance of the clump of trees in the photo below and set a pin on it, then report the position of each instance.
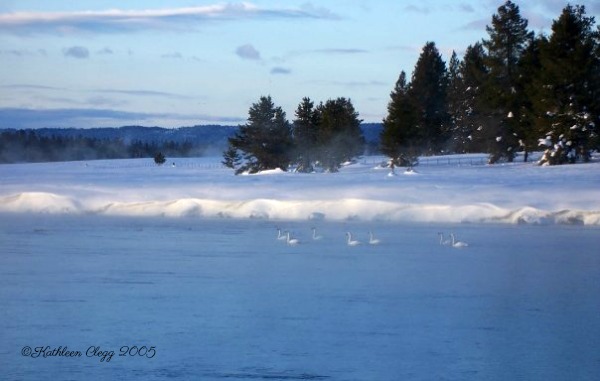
(320, 137)
(512, 91)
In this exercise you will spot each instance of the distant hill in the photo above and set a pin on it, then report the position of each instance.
(213, 135)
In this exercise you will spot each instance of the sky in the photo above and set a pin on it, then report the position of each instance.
(107, 63)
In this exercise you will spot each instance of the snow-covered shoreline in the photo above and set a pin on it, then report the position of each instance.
(200, 187)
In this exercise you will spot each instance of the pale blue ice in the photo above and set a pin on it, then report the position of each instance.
(223, 299)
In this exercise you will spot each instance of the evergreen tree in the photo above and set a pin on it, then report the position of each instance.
(528, 85)
(305, 132)
(399, 138)
(471, 109)
(159, 158)
(339, 136)
(456, 109)
(428, 90)
(231, 157)
(264, 142)
(508, 38)
(570, 83)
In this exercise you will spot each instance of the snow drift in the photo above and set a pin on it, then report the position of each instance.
(338, 210)
(518, 193)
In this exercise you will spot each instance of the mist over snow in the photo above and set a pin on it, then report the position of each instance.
(447, 189)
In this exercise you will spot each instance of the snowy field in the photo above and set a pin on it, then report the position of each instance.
(176, 272)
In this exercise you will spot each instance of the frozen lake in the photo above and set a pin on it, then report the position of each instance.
(224, 299)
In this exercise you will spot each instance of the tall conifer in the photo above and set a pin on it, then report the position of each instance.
(508, 38)
(262, 143)
(428, 90)
(400, 139)
(305, 132)
(570, 83)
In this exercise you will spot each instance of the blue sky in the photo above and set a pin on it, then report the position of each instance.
(183, 62)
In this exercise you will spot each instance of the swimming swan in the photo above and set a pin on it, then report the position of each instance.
(372, 240)
(352, 242)
(444, 242)
(291, 241)
(279, 235)
(457, 244)
(315, 236)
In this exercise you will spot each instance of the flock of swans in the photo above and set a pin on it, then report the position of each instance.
(451, 241)
(351, 241)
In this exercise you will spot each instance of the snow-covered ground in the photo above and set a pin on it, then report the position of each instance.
(104, 256)
(437, 192)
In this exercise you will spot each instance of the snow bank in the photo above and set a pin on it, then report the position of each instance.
(38, 202)
(515, 193)
(338, 210)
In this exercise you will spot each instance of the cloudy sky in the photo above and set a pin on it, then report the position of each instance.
(178, 63)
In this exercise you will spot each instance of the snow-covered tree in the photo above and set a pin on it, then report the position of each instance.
(570, 88)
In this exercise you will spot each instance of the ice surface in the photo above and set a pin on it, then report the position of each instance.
(224, 299)
(511, 193)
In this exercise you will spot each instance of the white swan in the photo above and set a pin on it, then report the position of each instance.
(292, 241)
(372, 240)
(457, 244)
(279, 235)
(315, 236)
(352, 242)
(444, 242)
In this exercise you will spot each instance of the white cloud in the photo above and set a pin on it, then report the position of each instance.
(121, 20)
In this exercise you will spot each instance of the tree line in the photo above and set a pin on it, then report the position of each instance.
(514, 91)
(30, 146)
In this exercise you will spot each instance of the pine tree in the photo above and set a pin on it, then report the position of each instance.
(305, 132)
(508, 38)
(400, 139)
(570, 84)
(339, 136)
(456, 106)
(231, 157)
(528, 85)
(264, 142)
(159, 158)
(428, 90)
(472, 108)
